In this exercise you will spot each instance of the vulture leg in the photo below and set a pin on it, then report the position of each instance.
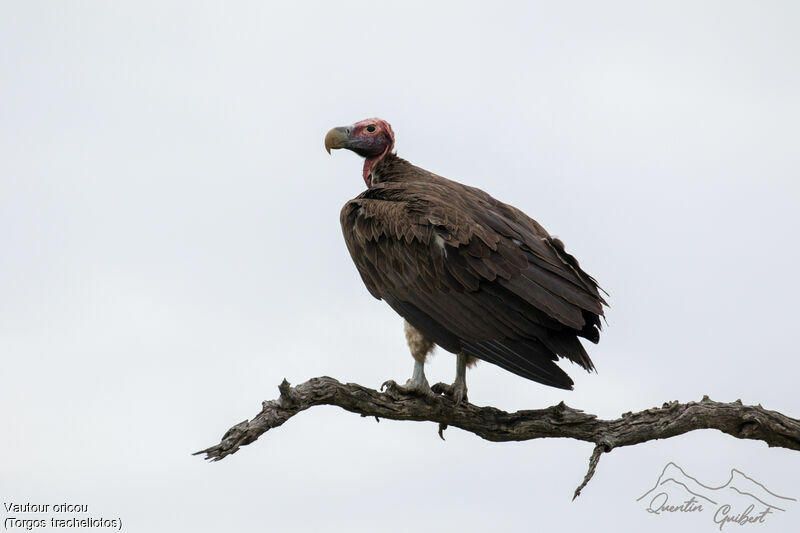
(459, 388)
(418, 381)
(420, 347)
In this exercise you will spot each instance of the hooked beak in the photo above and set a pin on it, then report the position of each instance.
(337, 138)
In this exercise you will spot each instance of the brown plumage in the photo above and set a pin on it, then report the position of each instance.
(474, 275)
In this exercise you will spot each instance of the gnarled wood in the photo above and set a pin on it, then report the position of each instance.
(673, 418)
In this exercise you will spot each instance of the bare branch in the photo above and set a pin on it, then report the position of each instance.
(673, 418)
(593, 460)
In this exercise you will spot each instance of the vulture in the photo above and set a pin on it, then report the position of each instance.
(467, 272)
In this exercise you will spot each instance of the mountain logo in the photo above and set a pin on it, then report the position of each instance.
(741, 500)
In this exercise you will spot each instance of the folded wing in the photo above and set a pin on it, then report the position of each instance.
(474, 275)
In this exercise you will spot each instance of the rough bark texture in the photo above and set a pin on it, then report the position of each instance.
(673, 418)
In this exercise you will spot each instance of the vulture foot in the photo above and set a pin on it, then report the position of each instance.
(456, 392)
(417, 385)
(412, 388)
(459, 393)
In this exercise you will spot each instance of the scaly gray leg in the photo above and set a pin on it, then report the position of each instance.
(460, 384)
(418, 382)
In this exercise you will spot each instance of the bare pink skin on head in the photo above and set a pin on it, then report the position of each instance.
(380, 141)
(372, 139)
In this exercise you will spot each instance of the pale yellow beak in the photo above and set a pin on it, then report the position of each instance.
(337, 138)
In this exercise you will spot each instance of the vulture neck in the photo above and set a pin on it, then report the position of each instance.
(387, 168)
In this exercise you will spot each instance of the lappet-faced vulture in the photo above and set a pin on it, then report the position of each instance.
(467, 272)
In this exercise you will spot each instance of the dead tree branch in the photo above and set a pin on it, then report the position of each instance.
(673, 418)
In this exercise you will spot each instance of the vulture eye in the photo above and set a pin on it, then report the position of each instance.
(371, 128)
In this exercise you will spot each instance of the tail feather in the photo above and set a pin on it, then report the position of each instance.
(529, 359)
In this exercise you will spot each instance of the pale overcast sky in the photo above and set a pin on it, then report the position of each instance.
(170, 250)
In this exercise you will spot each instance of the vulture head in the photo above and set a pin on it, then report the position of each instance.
(372, 139)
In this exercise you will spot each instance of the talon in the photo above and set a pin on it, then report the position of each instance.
(459, 394)
(456, 392)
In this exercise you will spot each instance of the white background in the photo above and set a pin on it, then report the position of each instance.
(170, 250)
